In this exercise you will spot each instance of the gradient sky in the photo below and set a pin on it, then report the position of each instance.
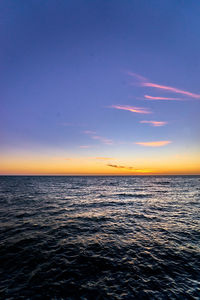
(100, 87)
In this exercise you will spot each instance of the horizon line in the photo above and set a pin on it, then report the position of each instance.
(96, 175)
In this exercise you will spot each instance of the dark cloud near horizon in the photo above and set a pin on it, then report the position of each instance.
(121, 167)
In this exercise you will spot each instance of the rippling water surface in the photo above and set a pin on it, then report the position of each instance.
(100, 237)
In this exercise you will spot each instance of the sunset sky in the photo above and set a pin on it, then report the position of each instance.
(100, 87)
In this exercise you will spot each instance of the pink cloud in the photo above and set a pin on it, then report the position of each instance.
(102, 139)
(89, 132)
(161, 98)
(139, 110)
(137, 76)
(155, 123)
(171, 89)
(144, 82)
(154, 144)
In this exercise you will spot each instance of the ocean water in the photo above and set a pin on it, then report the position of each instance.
(100, 237)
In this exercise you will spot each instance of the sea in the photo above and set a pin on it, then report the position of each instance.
(100, 237)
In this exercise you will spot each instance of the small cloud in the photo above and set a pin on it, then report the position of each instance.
(154, 123)
(153, 144)
(129, 168)
(162, 98)
(139, 110)
(121, 167)
(89, 132)
(102, 139)
(137, 76)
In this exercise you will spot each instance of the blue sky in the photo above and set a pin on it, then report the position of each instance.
(66, 65)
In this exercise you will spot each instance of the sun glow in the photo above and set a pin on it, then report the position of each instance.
(100, 165)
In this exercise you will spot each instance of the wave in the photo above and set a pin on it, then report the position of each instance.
(128, 195)
(132, 239)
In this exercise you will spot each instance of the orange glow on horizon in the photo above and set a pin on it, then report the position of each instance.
(166, 165)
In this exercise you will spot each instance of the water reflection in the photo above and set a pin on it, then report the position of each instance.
(100, 237)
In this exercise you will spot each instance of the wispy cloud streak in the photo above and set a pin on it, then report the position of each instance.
(134, 109)
(129, 168)
(121, 167)
(153, 144)
(102, 139)
(162, 98)
(89, 132)
(137, 76)
(170, 89)
(154, 123)
(145, 83)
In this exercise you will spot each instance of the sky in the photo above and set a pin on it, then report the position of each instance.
(102, 87)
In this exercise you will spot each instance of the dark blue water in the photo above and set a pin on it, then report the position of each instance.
(100, 237)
